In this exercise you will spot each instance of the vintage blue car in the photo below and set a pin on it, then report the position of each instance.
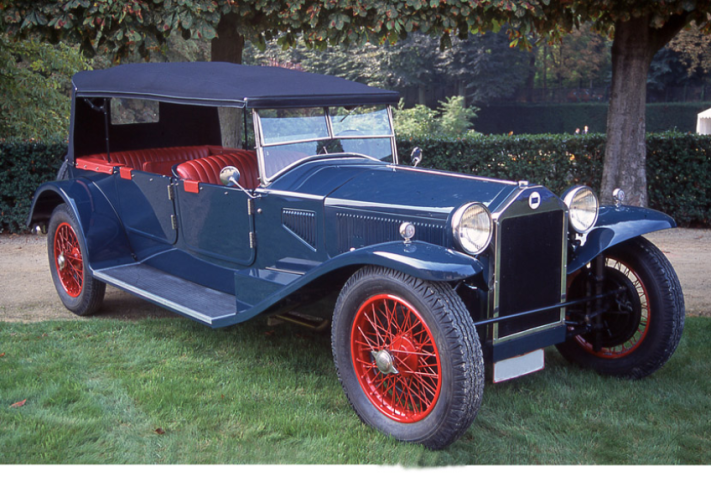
(432, 273)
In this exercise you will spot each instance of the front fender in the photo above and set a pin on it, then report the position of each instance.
(104, 234)
(615, 225)
(418, 259)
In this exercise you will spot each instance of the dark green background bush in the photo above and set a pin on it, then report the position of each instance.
(678, 165)
(678, 168)
(24, 165)
(565, 118)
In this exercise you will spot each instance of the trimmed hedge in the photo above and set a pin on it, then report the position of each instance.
(678, 165)
(565, 118)
(678, 168)
(24, 165)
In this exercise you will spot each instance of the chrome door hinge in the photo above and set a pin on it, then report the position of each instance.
(250, 207)
(174, 222)
(252, 240)
(171, 192)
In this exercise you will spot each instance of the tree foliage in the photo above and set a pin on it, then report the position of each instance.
(483, 66)
(694, 49)
(122, 26)
(640, 28)
(35, 84)
(451, 120)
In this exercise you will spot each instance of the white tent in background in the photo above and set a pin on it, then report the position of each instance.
(703, 123)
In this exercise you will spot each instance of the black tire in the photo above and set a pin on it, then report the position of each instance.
(78, 290)
(643, 324)
(437, 391)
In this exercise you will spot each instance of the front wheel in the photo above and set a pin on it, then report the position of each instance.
(78, 290)
(408, 356)
(644, 318)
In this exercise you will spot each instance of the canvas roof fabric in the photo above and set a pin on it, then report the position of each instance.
(226, 84)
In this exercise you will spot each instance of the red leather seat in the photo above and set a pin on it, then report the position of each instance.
(207, 169)
(136, 159)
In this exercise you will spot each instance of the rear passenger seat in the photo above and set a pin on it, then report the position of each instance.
(161, 160)
(201, 163)
(207, 169)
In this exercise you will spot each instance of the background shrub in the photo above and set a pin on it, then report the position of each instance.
(678, 167)
(24, 165)
(566, 118)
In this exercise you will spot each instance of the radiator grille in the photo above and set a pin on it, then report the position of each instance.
(530, 272)
(358, 230)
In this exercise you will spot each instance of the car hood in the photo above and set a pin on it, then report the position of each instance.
(389, 188)
(422, 192)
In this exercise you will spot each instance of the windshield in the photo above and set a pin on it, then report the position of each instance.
(290, 135)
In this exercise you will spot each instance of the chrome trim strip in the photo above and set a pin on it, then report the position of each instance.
(294, 194)
(289, 142)
(341, 202)
(393, 141)
(283, 270)
(257, 126)
(460, 176)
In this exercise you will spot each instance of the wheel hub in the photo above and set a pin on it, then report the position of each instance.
(61, 261)
(385, 361)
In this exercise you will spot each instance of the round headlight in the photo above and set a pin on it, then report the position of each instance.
(583, 207)
(472, 226)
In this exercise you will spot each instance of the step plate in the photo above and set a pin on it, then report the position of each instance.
(182, 296)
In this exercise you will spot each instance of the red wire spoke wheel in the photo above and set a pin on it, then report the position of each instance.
(644, 313)
(78, 290)
(408, 356)
(395, 358)
(68, 259)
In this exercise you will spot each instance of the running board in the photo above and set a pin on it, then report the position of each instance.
(208, 306)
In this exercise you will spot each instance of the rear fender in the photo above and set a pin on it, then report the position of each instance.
(105, 237)
(615, 225)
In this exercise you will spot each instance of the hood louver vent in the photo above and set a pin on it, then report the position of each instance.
(301, 223)
(357, 231)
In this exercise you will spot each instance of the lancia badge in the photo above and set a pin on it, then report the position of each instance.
(534, 200)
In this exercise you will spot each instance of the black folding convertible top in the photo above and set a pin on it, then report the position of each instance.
(226, 84)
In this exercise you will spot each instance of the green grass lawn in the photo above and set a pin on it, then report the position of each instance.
(173, 391)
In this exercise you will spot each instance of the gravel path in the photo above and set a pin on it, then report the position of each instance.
(27, 293)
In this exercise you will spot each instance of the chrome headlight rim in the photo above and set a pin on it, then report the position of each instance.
(458, 227)
(574, 199)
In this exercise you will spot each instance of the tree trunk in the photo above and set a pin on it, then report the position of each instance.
(462, 92)
(633, 48)
(422, 95)
(531, 77)
(227, 47)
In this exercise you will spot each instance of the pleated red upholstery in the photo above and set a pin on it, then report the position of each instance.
(136, 158)
(207, 169)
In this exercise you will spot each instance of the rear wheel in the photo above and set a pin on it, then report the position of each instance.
(81, 293)
(408, 356)
(643, 321)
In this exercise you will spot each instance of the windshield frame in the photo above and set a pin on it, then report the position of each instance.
(260, 145)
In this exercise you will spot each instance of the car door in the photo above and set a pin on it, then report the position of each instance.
(216, 223)
(147, 208)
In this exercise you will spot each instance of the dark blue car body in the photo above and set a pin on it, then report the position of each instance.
(220, 254)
